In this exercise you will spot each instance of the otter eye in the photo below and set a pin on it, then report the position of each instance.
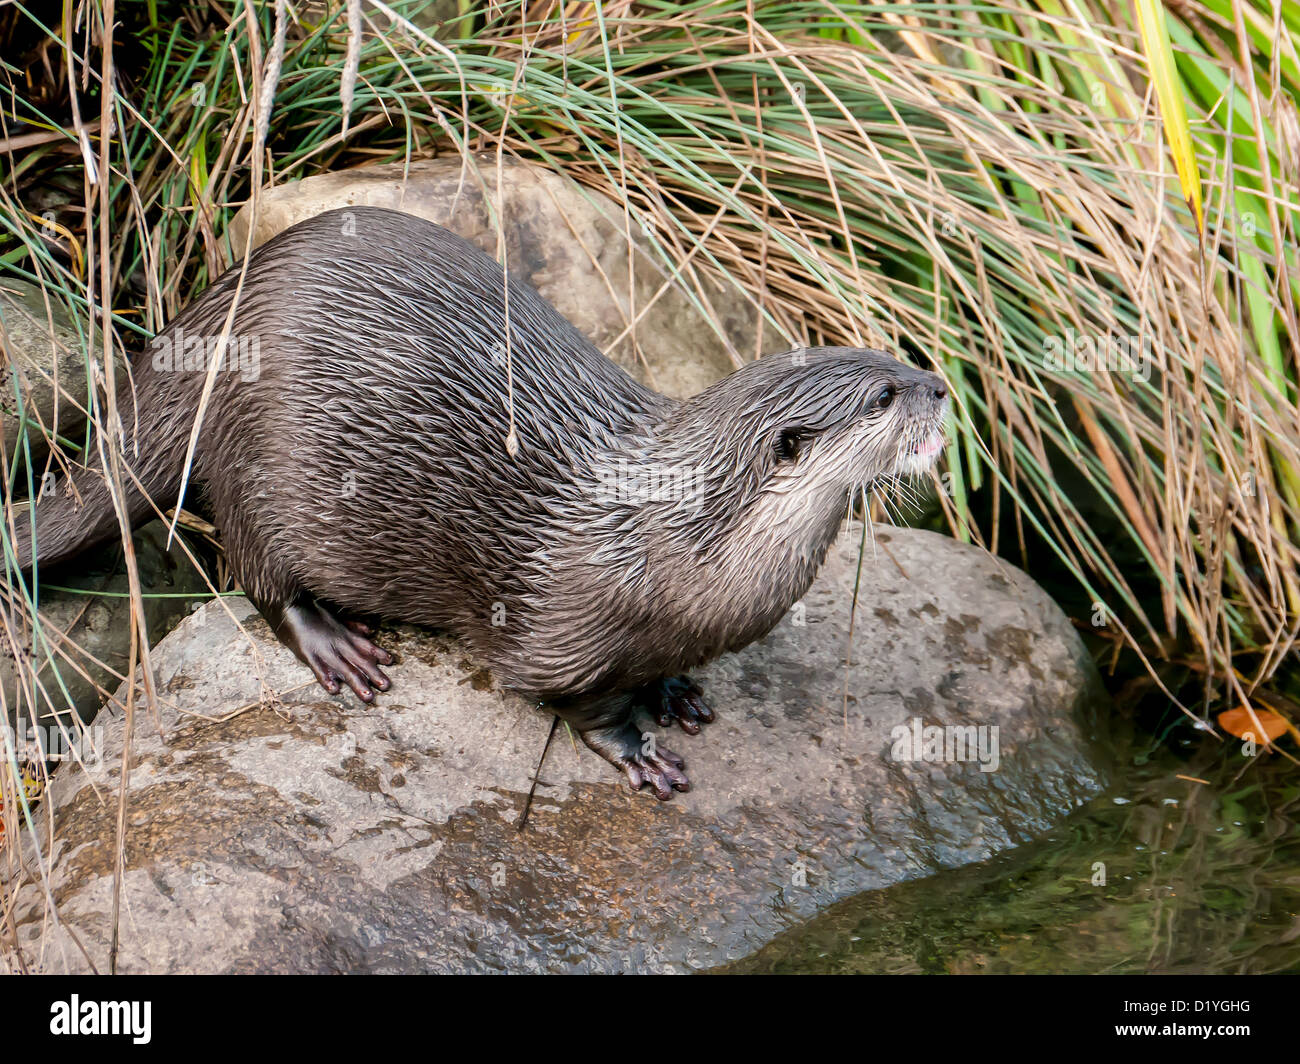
(884, 397)
(788, 445)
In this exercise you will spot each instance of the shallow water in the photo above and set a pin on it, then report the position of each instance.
(1159, 874)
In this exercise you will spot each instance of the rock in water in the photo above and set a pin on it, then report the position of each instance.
(322, 835)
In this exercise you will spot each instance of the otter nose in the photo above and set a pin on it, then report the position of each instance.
(935, 387)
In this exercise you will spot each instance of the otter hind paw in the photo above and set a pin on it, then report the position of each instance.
(641, 758)
(679, 698)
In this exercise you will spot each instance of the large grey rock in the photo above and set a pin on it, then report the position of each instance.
(45, 354)
(313, 834)
(566, 241)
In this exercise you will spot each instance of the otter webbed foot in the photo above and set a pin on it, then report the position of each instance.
(334, 651)
(640, 757)
(677, 698)
(610, 723)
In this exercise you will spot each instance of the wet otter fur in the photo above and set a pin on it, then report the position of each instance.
(363, 469)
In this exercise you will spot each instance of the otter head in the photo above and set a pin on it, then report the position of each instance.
(846, 417)
(699, 529)
(775, 451)
(795, 433)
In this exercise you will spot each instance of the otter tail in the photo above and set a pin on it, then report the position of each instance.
(71, 517)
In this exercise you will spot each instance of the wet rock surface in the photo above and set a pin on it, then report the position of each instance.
(566, 241)
(310, 834)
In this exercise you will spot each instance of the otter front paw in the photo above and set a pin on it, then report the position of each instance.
(677, 698)
(334, 651)
(641, 759)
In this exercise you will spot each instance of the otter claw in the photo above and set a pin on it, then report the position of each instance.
(662, 770)
(336, 653)
(681, 700)
(624, 747)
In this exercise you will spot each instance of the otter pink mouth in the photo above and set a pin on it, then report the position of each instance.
(928, 449)
(917, 457)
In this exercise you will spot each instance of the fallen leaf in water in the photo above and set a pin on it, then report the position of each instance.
(1239, 722)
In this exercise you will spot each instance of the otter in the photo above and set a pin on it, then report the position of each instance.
(407, 433)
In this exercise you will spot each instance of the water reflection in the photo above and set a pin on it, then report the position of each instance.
(1161, 874)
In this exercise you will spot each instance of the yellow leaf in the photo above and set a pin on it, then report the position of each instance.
(1169, 90)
